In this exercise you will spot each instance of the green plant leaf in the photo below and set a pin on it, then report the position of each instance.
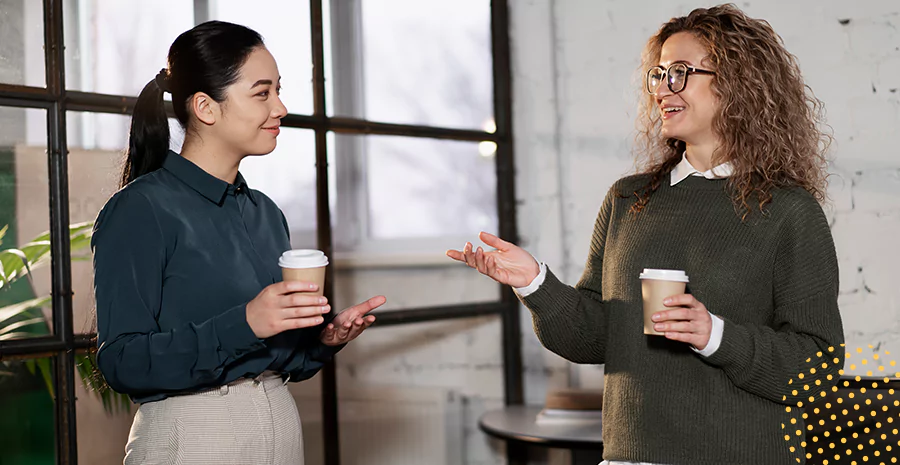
(16, 263)
(4, 278)
(74, 229)
(46, 372)
(6, 332)
(14, 310)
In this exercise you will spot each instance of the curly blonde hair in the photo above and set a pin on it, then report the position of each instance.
(768, 119)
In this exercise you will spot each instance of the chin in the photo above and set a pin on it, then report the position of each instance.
(672, 133)
(264, 149)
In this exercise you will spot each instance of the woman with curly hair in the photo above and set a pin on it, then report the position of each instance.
(733, 173)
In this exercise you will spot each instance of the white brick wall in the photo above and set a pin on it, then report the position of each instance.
(574, 110)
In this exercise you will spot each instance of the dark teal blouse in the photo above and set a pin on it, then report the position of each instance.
(178, 254)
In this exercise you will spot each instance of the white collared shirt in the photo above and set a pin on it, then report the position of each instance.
(680, 173)
(685, 169)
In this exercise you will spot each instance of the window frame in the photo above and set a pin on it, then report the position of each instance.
(57, 100)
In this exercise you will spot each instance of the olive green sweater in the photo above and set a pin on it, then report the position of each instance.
(772, 278)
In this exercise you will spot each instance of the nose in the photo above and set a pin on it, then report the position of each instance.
(279, 110)
(662, 89)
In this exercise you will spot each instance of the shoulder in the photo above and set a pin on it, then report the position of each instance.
(269, 207)
(628, 185)
(621, 192)
(264, 200)
(133, 206)
(625, 188)
(795, 204)
(137, 194)
(800, 218)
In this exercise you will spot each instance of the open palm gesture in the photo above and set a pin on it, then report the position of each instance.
(350, 323)
(507, 264)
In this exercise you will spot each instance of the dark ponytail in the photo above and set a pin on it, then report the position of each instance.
(208, 59)
(148, 141)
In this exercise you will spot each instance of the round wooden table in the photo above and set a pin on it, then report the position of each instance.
(517, 424)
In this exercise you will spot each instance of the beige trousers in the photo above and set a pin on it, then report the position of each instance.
(250, 421)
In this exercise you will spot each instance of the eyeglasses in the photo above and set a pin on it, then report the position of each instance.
(677, 75)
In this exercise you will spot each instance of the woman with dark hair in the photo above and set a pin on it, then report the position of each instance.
(194, 321)
(734, 170)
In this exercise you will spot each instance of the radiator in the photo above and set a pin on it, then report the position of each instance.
(387, 425)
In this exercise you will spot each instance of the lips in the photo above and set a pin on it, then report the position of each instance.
(273, 130)
(670, 111)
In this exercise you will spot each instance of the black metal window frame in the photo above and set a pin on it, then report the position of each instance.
(56, 100)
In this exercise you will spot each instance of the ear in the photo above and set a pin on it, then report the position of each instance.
(204, 108)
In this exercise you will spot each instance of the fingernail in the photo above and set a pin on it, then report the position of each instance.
(667, 301)
(655, 317)
(659, 327)
(312, 286)
(322, 300)
(324, 309)
(319, 320)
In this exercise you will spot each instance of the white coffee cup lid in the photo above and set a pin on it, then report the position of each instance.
(303, 258)
(665, 275)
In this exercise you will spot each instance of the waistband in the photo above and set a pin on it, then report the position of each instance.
(268, 380)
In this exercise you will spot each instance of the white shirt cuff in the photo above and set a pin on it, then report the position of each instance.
(715, 337)
(535, 283)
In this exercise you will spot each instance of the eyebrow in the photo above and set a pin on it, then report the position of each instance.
(264, 82)
(678, 61)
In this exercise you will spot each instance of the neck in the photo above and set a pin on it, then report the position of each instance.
(700, 155)
(217, 161)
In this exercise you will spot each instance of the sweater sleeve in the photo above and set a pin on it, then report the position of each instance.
(572, 321)
(797, 356)
(135, 355)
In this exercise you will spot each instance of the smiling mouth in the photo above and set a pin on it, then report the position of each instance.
(671, 111)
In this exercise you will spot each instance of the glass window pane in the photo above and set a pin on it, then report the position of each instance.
(401, 203)
(22, 43)
(426, 188)
(27, 425)
(284, 25)
(24, 190)
(409, 281)
(414, 393)
(115, 47)
(416, 62)
(288, 177)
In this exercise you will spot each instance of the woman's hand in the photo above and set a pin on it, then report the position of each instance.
(508, 264)
(349, 324)
(688, 321)
(284, 306)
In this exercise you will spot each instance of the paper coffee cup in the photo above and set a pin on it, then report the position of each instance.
(304, 265)
(656, 285)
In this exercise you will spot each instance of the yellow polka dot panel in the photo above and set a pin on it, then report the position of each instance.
(842, 418)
